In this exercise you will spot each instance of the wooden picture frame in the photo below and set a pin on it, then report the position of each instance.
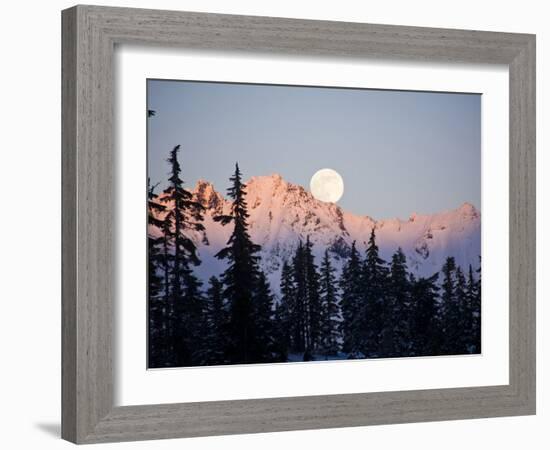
(90, 34)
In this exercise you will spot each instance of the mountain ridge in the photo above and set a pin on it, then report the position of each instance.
(203, 187)
(283, 213)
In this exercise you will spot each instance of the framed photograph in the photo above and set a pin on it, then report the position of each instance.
(277, 224)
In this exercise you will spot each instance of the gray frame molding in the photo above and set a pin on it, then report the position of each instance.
(89, 36)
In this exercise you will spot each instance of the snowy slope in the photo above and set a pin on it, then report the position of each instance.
(282, 213)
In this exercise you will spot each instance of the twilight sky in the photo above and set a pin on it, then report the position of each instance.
(398, 152)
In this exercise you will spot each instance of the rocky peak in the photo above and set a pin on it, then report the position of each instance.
(207, 196)
(468, 210)
(266, 183)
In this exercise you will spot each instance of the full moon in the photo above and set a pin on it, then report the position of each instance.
(327, 185)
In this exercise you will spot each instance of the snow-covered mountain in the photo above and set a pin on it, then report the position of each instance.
(282, 214)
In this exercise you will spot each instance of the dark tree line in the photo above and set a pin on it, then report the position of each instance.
(233, 320)
(175, 297)
(373, 309)
(387, 312)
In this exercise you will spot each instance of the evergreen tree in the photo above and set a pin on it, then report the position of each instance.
(299, 323)
(286, 308)
(313, 301)
(184, 215)
(375, 314)
(214, 324)
(476, 311)
(351, 297)
(450, 310)
(465, 313)
(241, 276)
(280, 335)
(397, 306)
(157, 305)
(264, 322)
(473, 328)
(192, 315)
(302, 297)
(424, 322)
(330, 308)
(154, 209)
(165, 259)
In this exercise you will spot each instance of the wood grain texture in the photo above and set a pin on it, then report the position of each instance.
(68, 225)
(523, 224)
(89, 36)
(87, 242)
